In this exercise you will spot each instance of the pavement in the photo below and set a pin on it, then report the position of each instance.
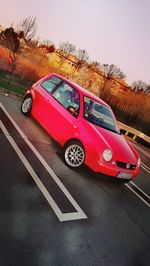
(52, 215)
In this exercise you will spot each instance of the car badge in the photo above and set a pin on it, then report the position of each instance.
(127, 165)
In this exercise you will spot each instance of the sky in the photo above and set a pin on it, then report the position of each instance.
(111, 31)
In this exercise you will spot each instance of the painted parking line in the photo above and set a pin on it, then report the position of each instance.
(139, 193)
(79, 214)
(139, 189)
(145, 167)
(61, 216)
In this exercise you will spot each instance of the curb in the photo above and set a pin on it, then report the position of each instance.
(11, 93)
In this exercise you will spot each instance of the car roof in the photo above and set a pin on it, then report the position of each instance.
(83, 90)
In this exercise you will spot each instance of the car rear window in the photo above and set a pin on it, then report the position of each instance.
(50, 83)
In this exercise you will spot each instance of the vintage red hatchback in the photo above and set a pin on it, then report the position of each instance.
(83, 124)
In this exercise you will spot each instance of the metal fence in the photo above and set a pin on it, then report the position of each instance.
(133, 133)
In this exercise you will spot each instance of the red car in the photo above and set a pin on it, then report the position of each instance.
(83, 124)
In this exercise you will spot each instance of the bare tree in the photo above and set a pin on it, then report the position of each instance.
(109, 73)
(94, 66)
(67, 48)
(148, 89)
(82, 55)
(48, 46)
(139, 86)
(28, 26)
(112, 71)
(47, 43)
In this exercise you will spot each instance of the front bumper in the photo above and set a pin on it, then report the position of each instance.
(113, 170)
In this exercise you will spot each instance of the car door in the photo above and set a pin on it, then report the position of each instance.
(40, 90)
(61, 112)
(42, 98)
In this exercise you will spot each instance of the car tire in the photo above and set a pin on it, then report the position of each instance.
(26, 106)
(74, 154)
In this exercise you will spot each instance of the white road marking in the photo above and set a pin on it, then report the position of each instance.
(67, 216)
(145, 167)
(137, 195)
(140, 189)
(61, 216)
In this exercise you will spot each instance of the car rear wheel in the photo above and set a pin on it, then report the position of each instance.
(26, 105)
(74, 154)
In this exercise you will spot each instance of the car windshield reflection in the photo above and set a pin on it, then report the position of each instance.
(99, 115)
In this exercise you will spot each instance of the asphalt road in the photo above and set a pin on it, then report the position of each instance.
(52, 215)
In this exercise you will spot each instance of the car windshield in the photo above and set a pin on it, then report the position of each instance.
(99, 115)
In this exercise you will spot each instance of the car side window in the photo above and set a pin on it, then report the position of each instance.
(50, 83)
(68, 97)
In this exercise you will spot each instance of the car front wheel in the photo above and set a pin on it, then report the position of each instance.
(26, 105)
(74, 154)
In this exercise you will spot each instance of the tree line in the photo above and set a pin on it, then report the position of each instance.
(25, 59)
(26, 30)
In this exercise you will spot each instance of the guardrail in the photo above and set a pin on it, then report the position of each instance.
(133, 133)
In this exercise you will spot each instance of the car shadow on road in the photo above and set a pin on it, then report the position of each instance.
(86, 171)
(101, 177)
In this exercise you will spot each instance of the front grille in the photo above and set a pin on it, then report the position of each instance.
(125, 165)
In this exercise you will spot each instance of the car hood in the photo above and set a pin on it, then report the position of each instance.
(117, 143)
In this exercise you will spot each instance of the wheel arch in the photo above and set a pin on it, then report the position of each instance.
(28, 93)
(73, 140)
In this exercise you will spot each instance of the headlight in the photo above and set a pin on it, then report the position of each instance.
(138, 162)
(107, 155)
